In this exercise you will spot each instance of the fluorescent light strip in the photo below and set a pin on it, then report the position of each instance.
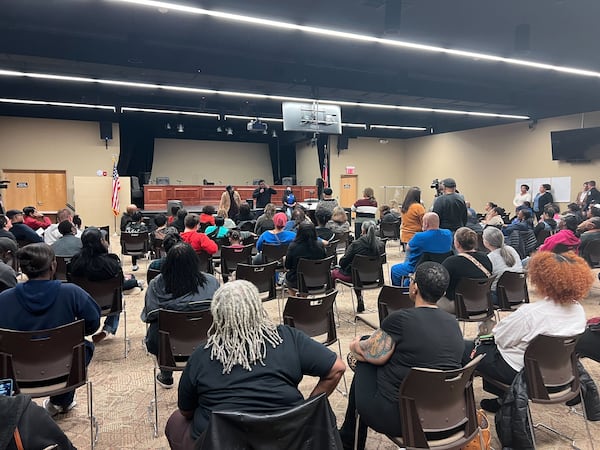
(171, 111)
(361, 37)
(165, 87)
(262, 119)
(398, 127)
(355, 125)
(19, 101)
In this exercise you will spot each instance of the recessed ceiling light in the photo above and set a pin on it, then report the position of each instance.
(170, 111)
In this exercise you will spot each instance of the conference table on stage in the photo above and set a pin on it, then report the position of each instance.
(156, 196)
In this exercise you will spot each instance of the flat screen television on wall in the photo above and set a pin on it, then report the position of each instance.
(582, 144)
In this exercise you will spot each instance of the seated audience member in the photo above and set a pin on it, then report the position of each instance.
(412, 214)
(367, 244)
(547, 222)
(503, 257)
(265, 221)
(229, 223)
(51, 235)
(494, 217)
(160, 221)
(217, 231)
(207, 215)
(127, 215)
(78, 223)
(35, 219)
(276, 236)
(386, 216)
(525, 206)
(395, 208)
(468, 263)
(575, 209)
(591, 234)
(180, 286)
(172, 237)
(245, 215)
(136, 225)
(339, 221)
(41, 303)
(95, 264)
(68, 244)
(298, 217)
(20, 231)
(423, 336)
(524, 223)
(327, 203)
(489, 211)
(5, 225)
(288, 201)
(200, 242)
(248, 364)
(432, 239)
(235, 239)
(472, 218)
(305, 245)
(563, 279)
(8, 251)
(173, 216)
(179, 222)
(322, 216)
(365, 209)
(564, 238)
(21, 416)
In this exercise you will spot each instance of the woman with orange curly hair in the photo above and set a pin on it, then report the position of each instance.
(563, 280)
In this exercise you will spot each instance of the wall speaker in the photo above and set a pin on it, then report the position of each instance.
(106, 131)
(342, 142)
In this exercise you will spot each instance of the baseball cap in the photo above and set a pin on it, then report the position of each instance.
(327, 191)
(449, 182)
(13, 212)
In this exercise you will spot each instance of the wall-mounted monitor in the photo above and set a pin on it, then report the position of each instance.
(312, 117)
(581, 144)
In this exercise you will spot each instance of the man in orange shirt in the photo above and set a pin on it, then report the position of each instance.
(199, 241)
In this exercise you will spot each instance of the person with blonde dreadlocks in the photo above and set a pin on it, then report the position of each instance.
(248, 364)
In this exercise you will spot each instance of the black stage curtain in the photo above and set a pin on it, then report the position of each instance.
(283, 160)
(137, 148)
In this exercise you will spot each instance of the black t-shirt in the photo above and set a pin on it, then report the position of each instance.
(460, 267)
(452, 210)
(273, 387)
(424, 337)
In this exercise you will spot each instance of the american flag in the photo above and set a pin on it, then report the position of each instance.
(116, 187)
(325, 173)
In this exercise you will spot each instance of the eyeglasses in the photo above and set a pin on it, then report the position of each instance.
(412, 278)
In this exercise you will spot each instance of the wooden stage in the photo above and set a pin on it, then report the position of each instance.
(156, 196)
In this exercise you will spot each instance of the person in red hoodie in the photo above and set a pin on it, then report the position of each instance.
(207, 215)
(199, 241)
(35, 219)
(565, 238)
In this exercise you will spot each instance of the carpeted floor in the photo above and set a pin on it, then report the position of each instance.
(123, 387)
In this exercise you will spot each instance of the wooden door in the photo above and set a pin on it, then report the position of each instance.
(348, 190)
(46, 190)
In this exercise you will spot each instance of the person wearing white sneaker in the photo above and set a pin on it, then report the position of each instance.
(179, 287)
(41, 303)
(96, 264)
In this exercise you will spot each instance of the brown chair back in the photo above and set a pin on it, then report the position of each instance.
(434, 257)
(367, 272)
(591, 253)
(107, 293)
(44, 362)
(389, 230)
(62, 263)
(179, 334)
(272, 252)
(392, 298)
(314, 275)
(205, 263)
(232, 256)
(512, 290)
(262, 276)
(342, 239)
(551, 369)
(438, 406)
(542, 235)
(314, 316)
(473, 299)
(151, 275)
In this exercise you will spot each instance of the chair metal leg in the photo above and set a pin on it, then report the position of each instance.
(94, 429)
(125, 340)
(155, 401)
(552, 430)
(587, 427)
(357, 421)
(345, 391)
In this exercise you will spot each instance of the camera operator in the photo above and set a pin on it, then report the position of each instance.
(450, 207)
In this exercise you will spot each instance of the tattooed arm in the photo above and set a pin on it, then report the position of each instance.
(378, 349)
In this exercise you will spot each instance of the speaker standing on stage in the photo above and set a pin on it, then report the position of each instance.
(262, 194)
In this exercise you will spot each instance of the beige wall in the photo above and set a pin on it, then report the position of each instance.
(485, 162)
(376, 164)
(220, 162)
(307, 164)
(46, 144)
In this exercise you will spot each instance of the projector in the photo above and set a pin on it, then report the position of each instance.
(256, 126)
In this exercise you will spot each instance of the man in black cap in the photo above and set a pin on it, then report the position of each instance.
(22, 232)
(450, 207)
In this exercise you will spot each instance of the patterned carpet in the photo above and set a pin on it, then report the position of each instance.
(123, 387)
